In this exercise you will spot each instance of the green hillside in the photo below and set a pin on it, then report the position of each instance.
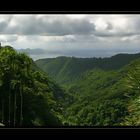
(99, 91)
(105, 98)
(65, 70)
(97, 99)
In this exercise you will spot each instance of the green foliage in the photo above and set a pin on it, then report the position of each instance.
(96, 91)
(132, 83)
(132, 118)
(66, 70)
(98, 100)
(27, 97)
(99, 91)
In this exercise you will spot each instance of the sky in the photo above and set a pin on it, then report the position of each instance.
(79, 35)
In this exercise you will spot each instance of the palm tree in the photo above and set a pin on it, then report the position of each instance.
(9, 68)
(3, 68)
(14, 67)
(11, 71)
(15, 74)
(24, 79)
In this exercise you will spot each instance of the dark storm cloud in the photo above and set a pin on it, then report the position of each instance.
(70, 27)
(62, 25)
(32, 25)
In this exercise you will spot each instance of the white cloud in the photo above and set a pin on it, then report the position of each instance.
(71, 33)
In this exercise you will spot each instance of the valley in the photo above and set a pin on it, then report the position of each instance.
(69, 91)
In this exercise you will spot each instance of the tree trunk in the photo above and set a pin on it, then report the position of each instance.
(15, 108)
(2, 111)
(21, 104)
(9, 108)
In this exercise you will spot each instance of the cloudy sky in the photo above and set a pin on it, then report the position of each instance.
(80, 35)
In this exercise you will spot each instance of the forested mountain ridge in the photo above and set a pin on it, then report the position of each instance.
(100, 91)
(66, 70)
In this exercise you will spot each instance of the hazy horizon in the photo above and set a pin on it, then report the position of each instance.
(35, 53)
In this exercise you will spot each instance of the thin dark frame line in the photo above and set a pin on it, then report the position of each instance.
(74, 12)
(69, 128)
(70, 11)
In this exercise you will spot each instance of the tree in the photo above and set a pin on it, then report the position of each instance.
(14, 73)
(23, 92)
(25, 63)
